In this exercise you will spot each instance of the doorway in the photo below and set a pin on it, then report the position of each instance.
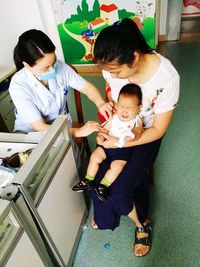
(190, 21)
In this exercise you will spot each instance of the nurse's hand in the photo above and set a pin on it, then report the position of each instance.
(106, 109)
(85, 130)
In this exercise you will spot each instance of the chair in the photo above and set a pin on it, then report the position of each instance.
(3, 126)
(81, 142)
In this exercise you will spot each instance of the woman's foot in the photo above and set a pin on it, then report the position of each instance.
(142, 244)
(93, 224)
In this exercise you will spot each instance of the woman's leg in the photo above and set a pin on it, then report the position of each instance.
(130, 188)
(139, 249)
(103, 189)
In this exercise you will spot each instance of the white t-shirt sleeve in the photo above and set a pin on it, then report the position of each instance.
(23, 103)
(168, 99)
(106, 76)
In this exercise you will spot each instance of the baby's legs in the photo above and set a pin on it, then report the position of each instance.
(98, 155)
(111, 175)
(116, 168)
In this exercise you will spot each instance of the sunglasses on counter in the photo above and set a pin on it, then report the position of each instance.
(16, 160)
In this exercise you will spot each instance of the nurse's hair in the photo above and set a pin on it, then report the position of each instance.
(118, 42)
(131, 89)
(31, 46)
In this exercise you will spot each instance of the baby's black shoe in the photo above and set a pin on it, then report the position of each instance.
(103, 192)
(84, 184)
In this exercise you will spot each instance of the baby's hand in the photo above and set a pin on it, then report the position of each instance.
(100, 139)
(130, 138)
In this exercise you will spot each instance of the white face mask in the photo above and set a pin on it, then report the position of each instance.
(48, 75)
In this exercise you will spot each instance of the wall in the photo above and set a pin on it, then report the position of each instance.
(15, 18)
(21, 15)
(163, 17)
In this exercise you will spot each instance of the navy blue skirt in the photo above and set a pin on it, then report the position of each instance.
(130, 189)
(123, 153)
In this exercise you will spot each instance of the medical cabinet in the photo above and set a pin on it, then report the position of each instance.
(42, 223)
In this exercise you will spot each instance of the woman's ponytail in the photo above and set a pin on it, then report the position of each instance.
(118, 42)
(129, 27)
(17, 58)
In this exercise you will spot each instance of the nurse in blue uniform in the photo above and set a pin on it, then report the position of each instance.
(40, 86)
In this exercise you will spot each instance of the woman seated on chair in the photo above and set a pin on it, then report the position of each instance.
(124, 56)
(40, 86)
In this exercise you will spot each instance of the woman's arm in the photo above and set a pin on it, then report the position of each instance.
(158, 129)
(160, 125)
(93, 94)
(40, 125)
(85, 130)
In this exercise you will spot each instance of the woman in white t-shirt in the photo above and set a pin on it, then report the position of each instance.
(40, 86)
(124, 56)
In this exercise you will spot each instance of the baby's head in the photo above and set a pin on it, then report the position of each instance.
(129, 102)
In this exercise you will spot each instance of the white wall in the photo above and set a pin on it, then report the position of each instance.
(163, 17)
(50, 25)
(174, 19)
(20, 15)
(15, 18)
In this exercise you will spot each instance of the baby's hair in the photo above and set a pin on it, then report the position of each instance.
(131, 89)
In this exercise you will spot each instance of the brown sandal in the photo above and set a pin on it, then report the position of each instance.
(144, 241)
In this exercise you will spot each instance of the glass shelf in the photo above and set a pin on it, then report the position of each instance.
(9, 230)
(36, 181)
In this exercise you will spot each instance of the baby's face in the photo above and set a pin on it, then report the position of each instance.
(127, 107)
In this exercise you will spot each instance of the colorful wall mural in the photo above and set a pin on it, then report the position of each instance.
(191, 8)
(80, 21)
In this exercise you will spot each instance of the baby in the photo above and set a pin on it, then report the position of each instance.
(126, 124)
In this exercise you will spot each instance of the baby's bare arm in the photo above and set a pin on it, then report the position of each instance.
(138, 129)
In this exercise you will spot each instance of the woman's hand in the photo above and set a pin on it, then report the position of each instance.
(106, 109)
(107, 141)
(85, 130)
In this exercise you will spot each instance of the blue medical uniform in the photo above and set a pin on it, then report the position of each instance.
(33, 101)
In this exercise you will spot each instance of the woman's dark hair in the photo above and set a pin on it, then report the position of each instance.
(31, 46)
(132, 89)
(119, 42)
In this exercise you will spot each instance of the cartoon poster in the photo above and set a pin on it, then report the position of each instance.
(80, 21)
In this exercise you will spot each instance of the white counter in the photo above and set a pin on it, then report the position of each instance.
(6, 71)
